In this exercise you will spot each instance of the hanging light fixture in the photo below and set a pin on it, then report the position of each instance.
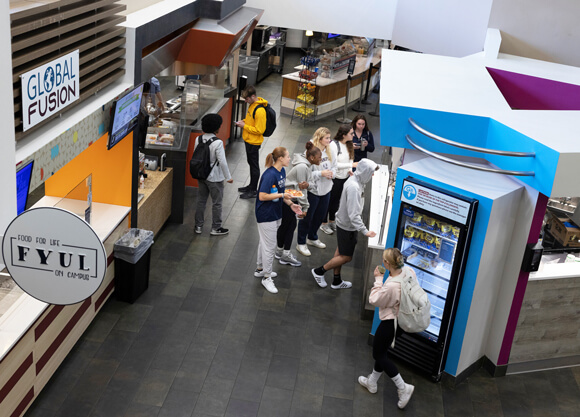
(309, 33)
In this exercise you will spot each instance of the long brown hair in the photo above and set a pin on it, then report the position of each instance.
(320, 133)
(342, 131)
(356, 119)
(276, 154)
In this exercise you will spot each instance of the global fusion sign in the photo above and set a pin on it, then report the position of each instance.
(48, 89)
(54, 255)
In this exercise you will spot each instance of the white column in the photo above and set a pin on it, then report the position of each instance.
(7, 141)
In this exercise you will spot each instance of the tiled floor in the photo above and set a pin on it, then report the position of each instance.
(206, 339)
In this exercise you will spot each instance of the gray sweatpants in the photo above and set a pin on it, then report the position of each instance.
(216, 190)
(267, 245)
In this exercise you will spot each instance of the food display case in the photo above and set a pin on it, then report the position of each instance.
(337, 59)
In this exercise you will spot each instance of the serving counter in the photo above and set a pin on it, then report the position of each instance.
(331, 92)
(35, 337)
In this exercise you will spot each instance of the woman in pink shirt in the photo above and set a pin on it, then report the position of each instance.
(387, 297)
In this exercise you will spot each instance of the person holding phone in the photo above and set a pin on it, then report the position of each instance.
(363, 139)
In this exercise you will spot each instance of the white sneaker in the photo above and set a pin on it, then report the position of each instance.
(278, 253)
(198, 230)
(365, 382)
(342, 286)
(332, 225)
(319, 279)
(326, 229)
(405, 395)
(303, 250)
(289, 260)
(259, 273)
(268, 283)
(316, 243)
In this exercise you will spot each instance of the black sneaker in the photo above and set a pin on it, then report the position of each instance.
(249, 194)
(219, 232)
(244, 189)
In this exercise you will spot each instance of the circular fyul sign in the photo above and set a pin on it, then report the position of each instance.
(54, 255)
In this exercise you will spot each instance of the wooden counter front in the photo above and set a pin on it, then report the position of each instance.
(155, 208)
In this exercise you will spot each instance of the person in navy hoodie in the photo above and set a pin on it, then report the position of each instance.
(362, 140)
(269, 213)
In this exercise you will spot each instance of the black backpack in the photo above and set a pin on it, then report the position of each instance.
(200, 166)
(270, 119)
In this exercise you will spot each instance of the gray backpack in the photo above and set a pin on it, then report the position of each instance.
(415, 309)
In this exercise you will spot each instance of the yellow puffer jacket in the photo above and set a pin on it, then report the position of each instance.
(254, 128)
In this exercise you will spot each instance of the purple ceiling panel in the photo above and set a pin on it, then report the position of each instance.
(524, 92)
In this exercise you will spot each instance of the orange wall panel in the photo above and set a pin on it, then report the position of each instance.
(111, 172)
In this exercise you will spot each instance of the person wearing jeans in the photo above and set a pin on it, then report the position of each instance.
(319, 196)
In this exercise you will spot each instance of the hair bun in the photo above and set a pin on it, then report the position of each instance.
(309, 145)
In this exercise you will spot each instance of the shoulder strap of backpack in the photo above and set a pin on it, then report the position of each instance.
(338, 150)
(212, 140)
(257, 107)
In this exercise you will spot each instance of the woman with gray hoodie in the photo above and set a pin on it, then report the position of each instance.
(298, 178)
(348, 224)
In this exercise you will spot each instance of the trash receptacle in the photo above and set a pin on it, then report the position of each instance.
(132, 260)
(248, 66)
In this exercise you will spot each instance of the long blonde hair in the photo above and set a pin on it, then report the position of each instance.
(320, 133)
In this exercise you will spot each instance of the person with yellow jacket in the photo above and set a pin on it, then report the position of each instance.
(253, 127)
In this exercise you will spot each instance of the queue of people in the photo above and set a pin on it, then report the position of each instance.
(328, 179)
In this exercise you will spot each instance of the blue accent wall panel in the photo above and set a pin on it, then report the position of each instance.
(471, 130)
(471, 269)
(544, 164)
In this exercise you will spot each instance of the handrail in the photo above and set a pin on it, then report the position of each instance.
(468, 147)
(466, 165)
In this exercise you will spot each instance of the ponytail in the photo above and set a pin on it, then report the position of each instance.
(276, 154)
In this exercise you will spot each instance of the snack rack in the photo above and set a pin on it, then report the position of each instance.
(305, 105)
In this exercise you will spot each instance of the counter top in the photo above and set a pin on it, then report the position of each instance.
(362, 65)
(381, 198)
(556, 271)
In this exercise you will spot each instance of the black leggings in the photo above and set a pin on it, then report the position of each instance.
(285, 232)
(335, 193)
(383, 339)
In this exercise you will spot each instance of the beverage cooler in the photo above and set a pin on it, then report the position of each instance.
(433, 233)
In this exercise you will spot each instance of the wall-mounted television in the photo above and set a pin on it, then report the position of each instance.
(23, 177)
(124, 115)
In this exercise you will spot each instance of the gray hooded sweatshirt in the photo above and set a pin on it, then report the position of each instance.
(348, 216)
(301, 171)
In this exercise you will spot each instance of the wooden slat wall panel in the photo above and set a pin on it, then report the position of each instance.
(44, 33)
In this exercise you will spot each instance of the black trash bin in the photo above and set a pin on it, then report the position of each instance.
(132, 260)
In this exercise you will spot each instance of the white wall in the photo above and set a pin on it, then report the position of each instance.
(7, 148)
(547, 31)
(445, 27)
(371, 18)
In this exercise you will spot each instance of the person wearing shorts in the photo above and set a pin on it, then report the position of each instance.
(348, 224)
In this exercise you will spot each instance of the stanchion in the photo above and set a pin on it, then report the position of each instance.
(366, 99)
(345, 119)
(376, 111)
(358, 107)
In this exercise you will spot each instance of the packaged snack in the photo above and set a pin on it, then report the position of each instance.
(444, 227)
(409, 232)
(429, 238)
(429, 222)
(437, 242)
(417, 218)
(455, 231)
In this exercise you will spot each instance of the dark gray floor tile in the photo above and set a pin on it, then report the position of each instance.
(100, 328)
(142, 410)
(457, 402)
(132, 317)
(282, 372)
(241, 408)
(216, 316)
(178, 404)
(154, 387)
(116, 345)
(214, 397)
(336, 407)
(276, 402)
(197, 300)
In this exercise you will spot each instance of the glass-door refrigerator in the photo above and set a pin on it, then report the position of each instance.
(433, 233)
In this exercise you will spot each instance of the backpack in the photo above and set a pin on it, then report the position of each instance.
(200, 166)
(270, 119)
(337, 143)
(415, 309)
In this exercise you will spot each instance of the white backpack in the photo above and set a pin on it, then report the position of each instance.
(415, 308)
